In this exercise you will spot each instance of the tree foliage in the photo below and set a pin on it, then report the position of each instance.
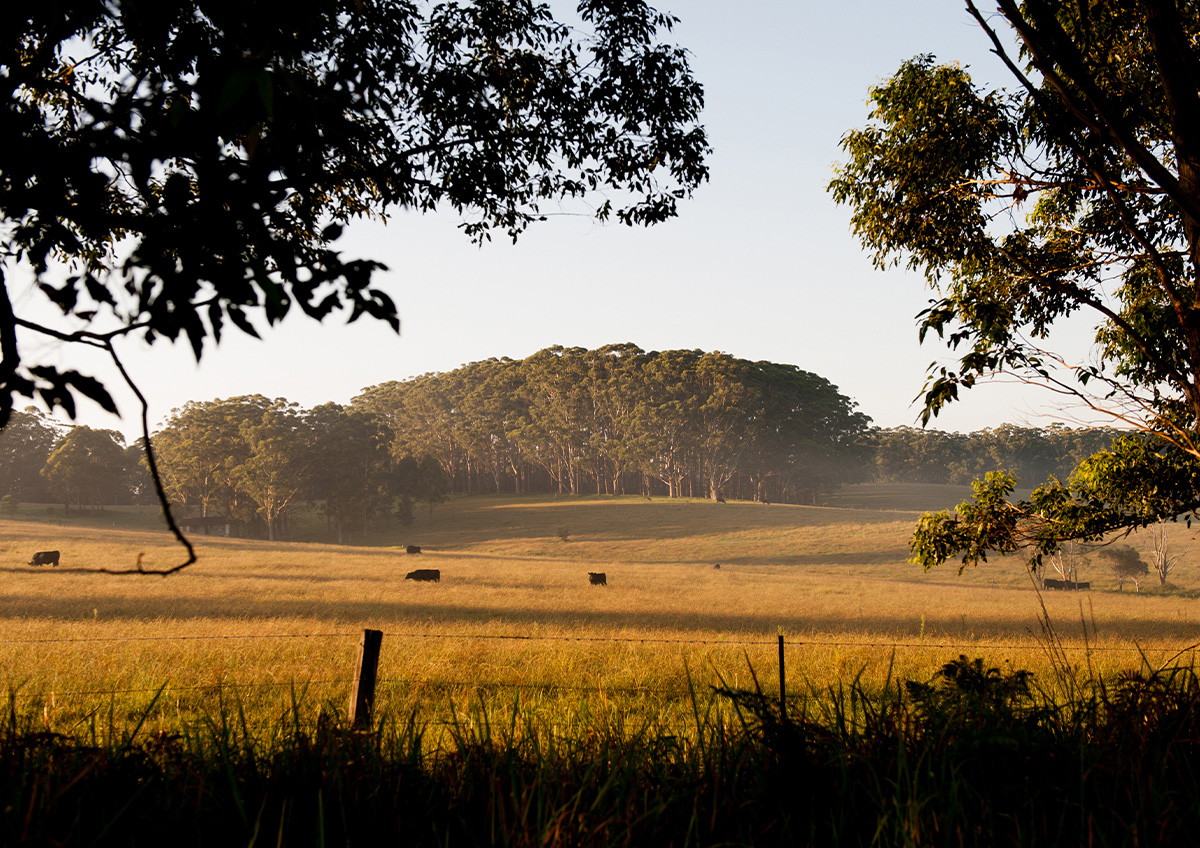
(254, 460)
(25, 445)
(175, 167)
(87, 467)
(1077, 191)
(1125, 563)
(619, 419)
(926, 455)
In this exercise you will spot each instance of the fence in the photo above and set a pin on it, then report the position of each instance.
(365, 677)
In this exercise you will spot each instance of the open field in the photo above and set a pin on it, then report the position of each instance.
(514, 617)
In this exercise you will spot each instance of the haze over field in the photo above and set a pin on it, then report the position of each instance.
(760, 264)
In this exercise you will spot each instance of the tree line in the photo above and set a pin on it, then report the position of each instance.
(617, 420)
(1031, 455)
(620, 420)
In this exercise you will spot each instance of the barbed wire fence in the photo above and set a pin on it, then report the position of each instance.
(791, 644)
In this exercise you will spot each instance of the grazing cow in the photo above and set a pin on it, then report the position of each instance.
(717, 566)
(597, 578)
(45, 558)
(1082, 586)
(413, 549)
(1048, 583)
(427, 575)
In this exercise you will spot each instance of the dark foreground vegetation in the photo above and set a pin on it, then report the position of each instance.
(974, 756)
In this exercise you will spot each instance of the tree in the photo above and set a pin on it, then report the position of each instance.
(200, 446)
(1078, 192)
(25, 445)
(192, 162)
(87, 467)
(274, 474)
(1159, 549)
(353, 473)
(1125, 563)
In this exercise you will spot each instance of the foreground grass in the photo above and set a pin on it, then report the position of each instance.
(974, 756)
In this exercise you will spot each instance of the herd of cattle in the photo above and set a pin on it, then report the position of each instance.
(595, 578)
(1049, 583)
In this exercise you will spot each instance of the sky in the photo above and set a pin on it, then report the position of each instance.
(760, 263)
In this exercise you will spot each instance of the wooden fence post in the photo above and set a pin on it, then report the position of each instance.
(782, 683)
(362, 696)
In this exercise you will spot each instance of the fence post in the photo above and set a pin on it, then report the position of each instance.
(362, 696)
(782, 683)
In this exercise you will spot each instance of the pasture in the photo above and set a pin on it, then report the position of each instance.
(274, 627)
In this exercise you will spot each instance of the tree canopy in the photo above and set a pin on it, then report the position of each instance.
(1075, 192)
(171, 168)
(622, 420)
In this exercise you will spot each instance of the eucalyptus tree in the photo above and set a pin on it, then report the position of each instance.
(25, 445)
(559, 413)
(87, 467)
(720, 383)
(198, 448)
(351, 471)
(1077, 192)
(280, 457)
(662, 438)
(803, 436)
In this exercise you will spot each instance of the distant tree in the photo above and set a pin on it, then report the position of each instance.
(9, 505)
(198, 448)
(87, 467)
(1125, 563)
(351, 474)
(1159, 549)
(431, 486)
(279, 459)
(25, 445)
(139, 485)
(1066, 561)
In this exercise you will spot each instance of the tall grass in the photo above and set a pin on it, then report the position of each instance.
(971, 756)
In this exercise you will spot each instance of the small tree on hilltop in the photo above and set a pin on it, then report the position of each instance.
(1125, 563)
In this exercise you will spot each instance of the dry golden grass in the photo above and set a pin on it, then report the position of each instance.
(514, 612)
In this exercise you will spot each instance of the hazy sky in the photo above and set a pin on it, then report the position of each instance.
(760, 264)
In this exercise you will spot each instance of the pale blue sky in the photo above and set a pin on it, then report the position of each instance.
(760, 264)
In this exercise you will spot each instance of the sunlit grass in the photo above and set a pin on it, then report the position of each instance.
(515, 618)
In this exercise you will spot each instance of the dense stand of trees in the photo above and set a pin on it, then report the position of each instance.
(912, 455)
(619, 420)
(254, 460)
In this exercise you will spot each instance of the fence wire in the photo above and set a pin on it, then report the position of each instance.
(793, 644)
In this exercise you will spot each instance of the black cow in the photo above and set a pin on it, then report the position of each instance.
(717, 566)
(597, 578)
(1083, 586)
(413, 549)
(45, 558)
(428, 575)
(1048, 583)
